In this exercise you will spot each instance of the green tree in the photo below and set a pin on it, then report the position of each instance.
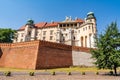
(6, 35)
(107, 52)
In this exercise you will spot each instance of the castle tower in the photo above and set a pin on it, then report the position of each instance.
(30, 30)
(92, 19)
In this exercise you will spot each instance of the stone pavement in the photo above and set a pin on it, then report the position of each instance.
(58, 76)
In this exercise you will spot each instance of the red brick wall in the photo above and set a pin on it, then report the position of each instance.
(35, 55)
(53, 57)
(81, 49)
(20, 55)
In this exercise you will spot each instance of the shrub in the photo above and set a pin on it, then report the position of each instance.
(69, 73)
(83, 73)
(53, 73)
(111, 72)
(31, 73)
(7, 73)
(97, 73)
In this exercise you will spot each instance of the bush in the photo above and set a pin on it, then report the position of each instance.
(97, 73)
(31, 73)
(8, 73)
(69, 73)
(53, 73)
(83, 73)
(111, 72)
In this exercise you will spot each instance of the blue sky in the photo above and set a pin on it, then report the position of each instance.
(15, 13)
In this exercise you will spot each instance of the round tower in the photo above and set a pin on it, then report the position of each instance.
(91, 18)
(30, 22)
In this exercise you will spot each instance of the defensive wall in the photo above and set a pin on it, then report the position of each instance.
(40, 55)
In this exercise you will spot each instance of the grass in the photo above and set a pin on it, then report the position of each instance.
(78, 69)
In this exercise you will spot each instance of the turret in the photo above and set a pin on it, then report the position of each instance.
(30, 30)
(91, 17)
(30, 22)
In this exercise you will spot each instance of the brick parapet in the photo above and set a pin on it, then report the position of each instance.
(55, 45)
(81, 49)
(41, 43)
(45, 44)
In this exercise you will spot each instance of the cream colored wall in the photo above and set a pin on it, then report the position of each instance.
(40, 34)
(19, 38)
(85, 31)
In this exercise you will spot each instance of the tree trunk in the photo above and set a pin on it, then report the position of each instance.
(115, 70)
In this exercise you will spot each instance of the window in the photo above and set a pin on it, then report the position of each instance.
(65, 34)
(64, 25)
(22, 34)
(43, 38)
(21, 40)
(90, 20)
(92, 29)
(51, 37)
(29, 33)
(75, 24)
(60, 25)
(67, 25)
(74, 37)
(83, 29)
(51, 32)
(89, 27)
(71, 24)
(44, 32)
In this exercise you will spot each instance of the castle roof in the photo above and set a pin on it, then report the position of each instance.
(79, 20)
(42, 25)
(52, 24)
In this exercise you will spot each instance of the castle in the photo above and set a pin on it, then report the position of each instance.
(76, 32)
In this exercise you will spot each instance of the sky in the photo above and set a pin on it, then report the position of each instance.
(15, 13)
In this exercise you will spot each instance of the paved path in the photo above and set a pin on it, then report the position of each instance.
(58, 76)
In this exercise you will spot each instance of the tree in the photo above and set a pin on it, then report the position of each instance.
(107, 52)
(6, 35)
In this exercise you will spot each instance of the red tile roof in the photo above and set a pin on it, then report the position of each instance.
(41, 24)
(52, 24)
(22, 28)
(79, 20)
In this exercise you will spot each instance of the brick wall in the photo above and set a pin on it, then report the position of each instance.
(53, 55)
(81, 49)
(19, 55)
(35, 55)
(43, 54)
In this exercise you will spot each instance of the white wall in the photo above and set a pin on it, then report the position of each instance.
(82, 59)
